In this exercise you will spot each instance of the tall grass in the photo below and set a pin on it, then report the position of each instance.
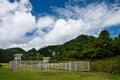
(111, 65)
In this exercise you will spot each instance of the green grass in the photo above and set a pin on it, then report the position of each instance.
(27, 74)
(5, 65)
(96, 74)
(107, 65)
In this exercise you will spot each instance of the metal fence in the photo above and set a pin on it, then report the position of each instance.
(40, 65)
(71, 66)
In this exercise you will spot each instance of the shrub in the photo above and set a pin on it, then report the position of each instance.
(105, 66)
(115, 69)
(0, 65)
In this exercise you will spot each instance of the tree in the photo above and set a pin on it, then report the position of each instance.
(104, 34)
(116, 45)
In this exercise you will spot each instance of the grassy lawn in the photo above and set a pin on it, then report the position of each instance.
(5, 65)
(27, 74)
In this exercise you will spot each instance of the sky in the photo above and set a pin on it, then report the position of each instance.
(37, 23)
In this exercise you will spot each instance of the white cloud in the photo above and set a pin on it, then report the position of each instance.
(65, 30)
(113, 19)
(36, 42)
(95, 15)
(16, 20)
(16, 26)
(44, 22)
(6, 7)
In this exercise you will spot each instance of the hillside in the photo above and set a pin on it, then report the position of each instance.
(89, 47)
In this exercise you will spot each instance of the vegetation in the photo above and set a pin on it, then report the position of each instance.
(25, 74)
(0, 65)
(7, 55)
(88, 47)
(110, 65)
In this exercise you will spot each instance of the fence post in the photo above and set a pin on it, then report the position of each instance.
(82, 65)
(10, 64)
(88, 66)
(75, 66)
(65, 66)
(14, 66)
(69, 66)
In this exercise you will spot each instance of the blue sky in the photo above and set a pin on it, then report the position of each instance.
(37, 23)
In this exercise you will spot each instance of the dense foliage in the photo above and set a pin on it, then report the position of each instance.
(7, 55)
(82, 47)
(89, 47)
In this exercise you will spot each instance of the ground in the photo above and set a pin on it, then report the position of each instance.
(33, 74)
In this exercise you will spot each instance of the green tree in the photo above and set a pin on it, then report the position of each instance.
(104, 34)
(116, 45)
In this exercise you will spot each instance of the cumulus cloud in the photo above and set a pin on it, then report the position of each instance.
(15, 26)
(44, 25)
(65, 30)
(16, 20)
(44, 22)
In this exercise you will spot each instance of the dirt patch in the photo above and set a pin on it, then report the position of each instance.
(102, 75)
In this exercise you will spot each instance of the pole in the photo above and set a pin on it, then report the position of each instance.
(37, 60)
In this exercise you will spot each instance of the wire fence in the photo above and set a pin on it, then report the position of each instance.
(40, 65)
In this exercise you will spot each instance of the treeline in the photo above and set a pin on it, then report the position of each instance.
(7, 55)
(82, 47)
(89, 47)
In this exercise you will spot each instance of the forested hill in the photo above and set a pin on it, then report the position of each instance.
(82, 47)
(89, 47)
(7, 55)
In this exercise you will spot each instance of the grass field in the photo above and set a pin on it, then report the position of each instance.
(27, 74)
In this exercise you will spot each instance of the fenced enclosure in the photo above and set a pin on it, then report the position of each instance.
(71, 66)
(14, 65)
(40, 65)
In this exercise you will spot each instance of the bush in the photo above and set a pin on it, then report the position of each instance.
(105, 66)
(0, 65)
(115, 69)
